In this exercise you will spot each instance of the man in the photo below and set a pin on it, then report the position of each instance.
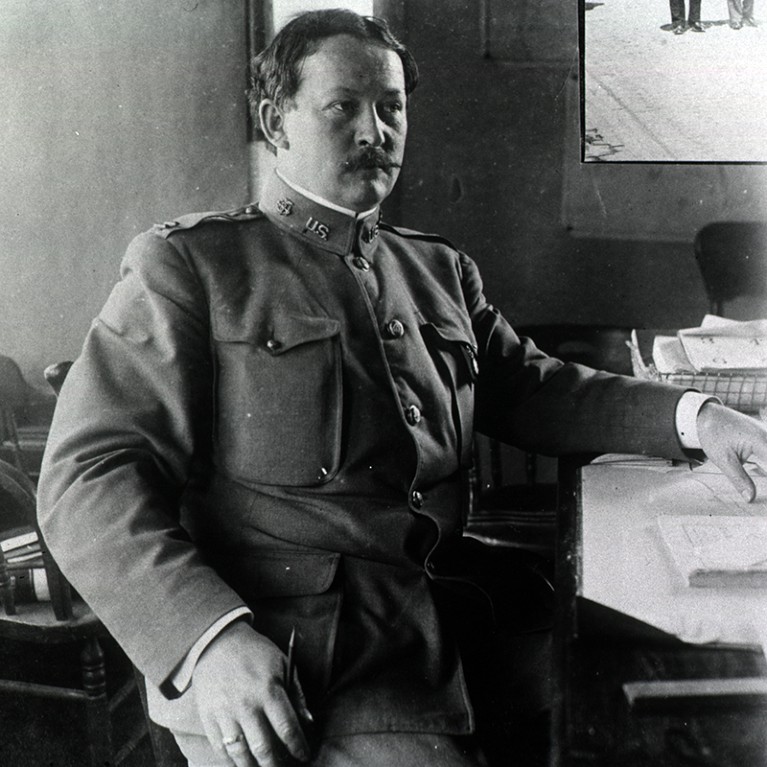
(741, 12)
(678, 26)
(259, 453)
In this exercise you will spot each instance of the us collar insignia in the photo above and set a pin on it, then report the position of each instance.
(371, 234)
(317, 227)
(285, 206)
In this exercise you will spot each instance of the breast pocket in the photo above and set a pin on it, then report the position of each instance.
(455, 357)
(279, 401)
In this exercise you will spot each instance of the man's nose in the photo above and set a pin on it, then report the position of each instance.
(370, 128)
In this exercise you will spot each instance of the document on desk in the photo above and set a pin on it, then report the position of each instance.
(628, 566)
(717, 550)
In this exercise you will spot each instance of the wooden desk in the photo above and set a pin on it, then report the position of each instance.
(626, 617)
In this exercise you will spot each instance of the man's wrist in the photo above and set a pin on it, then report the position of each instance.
(182, 676)
(687, 411)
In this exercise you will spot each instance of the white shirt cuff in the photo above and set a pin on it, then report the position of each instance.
(687, 410)
(182, 676)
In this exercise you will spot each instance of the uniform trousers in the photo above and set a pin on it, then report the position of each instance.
(740, 9)
(380, 749)
(677, 10)
(501, 617)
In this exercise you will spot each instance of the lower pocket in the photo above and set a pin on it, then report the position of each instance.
(289, 590)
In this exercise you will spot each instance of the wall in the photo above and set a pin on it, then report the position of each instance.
(493, 136)
(115, 116)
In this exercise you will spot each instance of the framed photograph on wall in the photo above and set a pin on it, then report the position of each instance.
(667, 81)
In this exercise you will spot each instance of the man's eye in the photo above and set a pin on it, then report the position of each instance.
(393, 106)
(345, 107)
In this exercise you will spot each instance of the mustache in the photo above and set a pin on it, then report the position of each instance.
(370, 157)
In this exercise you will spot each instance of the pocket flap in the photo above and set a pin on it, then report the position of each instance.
(451, 333)
(266, 573)
(448, 336)
(279, 332)
(292, 331)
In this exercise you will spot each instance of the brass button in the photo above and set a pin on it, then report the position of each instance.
(361, 263)
(416, 499)
(251, 209)
(273, 345)
(395, 329)
(413, 415)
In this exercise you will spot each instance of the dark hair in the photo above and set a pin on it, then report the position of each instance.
(275, 72)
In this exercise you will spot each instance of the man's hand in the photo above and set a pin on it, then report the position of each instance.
(239, 684)
(729, 439)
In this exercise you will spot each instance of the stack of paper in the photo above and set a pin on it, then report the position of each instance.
(719, 345)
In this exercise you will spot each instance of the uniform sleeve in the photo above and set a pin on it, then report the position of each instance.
(533, 401)
(133, 418)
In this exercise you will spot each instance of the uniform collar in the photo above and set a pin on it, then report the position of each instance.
(311, 219)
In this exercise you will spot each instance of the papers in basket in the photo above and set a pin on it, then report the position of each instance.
(719, 345)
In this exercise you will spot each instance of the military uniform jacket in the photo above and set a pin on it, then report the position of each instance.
(274, 408)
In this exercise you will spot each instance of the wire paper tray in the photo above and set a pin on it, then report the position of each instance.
(747, 393)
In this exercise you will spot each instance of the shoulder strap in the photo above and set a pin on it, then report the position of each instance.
(191, 220)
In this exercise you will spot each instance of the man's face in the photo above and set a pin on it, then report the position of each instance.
(344, 130)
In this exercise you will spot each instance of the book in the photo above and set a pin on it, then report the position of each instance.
(713, 550)
(29, 559)
(21, 546)
(17, 538)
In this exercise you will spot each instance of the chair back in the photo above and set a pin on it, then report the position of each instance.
(56, 373)
(13, 398)
(732, 259)
(19, 514)
(19, 500)
(14, 390)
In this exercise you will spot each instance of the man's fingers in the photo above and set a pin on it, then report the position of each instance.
(730, 439)
(228, 740)
(214, 735)
(284, 721)
(240, 692)
(736, 473)
(238, 750)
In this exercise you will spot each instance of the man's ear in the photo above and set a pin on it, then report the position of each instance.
(273, 124)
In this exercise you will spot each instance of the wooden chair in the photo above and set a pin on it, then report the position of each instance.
(523, 515)
(732, 258)
(63, 620)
